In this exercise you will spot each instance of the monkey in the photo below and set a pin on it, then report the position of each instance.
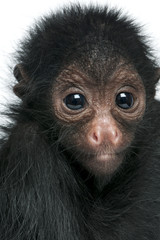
(81, 158)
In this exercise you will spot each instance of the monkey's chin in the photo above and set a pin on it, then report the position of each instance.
(106, 164)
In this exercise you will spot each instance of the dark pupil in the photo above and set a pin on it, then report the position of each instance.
(75, 101)
(124, 100)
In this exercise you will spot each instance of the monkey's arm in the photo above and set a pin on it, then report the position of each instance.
(36, 190)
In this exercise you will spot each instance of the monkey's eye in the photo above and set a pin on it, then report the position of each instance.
(75, 101)
(124, 100)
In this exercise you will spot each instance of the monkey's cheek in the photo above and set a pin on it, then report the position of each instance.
(103, 164)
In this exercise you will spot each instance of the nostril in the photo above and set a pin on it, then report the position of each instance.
(95, 137)
(114, 136)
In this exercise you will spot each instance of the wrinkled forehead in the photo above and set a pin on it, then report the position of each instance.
(96, 64)
(99, 61)
(75, 75)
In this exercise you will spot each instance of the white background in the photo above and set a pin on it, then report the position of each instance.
(16, 17)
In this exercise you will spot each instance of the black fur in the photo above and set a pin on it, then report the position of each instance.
(44, 197)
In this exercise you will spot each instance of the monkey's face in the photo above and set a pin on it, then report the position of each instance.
(98, 119)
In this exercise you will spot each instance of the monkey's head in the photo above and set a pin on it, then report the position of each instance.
(99, 111)
(93, 70)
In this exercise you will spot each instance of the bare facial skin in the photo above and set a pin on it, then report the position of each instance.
(100, 117)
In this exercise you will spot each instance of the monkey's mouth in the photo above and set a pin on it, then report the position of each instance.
(107, 157)
(104, 163)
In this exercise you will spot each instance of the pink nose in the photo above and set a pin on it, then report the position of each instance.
(104, 133)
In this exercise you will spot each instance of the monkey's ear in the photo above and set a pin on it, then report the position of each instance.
(21, 87)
